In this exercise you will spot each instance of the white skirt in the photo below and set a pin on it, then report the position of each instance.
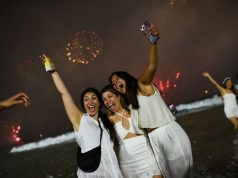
(136, 158)
(172, 149)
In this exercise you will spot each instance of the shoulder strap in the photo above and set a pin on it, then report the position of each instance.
(100, 130)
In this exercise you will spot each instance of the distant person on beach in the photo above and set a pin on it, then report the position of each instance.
(135, 155)
(170, 143)
(19, 98)
(227, 92)
(88, 126)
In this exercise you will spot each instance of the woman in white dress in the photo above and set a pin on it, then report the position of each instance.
(135, 155)
(86, 126)
(170, 143)
(227, 92)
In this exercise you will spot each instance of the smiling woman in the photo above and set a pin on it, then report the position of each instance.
(91, 133)
(135, 155)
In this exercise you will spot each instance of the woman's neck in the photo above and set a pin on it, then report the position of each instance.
(95, 117)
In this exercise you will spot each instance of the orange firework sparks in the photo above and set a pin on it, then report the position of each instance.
(164, 86)
(15, 133)
(83, 47)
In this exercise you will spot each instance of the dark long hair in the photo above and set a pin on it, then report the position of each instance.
(101, 115)
(224, 84)
(130, 96)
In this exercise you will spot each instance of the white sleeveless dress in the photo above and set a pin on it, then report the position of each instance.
(88, 138)
(230, 105)
(135, 155)
(170, 143)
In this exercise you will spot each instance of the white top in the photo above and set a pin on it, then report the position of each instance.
(230, 105)
(88, 138)
(153, 112)
(122, 132)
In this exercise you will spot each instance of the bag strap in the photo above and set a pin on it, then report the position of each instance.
(101, 131)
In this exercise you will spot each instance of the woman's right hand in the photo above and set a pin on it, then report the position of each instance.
(206, 74)
(49, 65)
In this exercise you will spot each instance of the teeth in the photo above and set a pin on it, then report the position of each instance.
(111, 105)
(119, 86)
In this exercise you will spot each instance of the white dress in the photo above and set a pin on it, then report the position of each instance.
(230, 105)
(135, 154)
(170, 143)
(88, 138)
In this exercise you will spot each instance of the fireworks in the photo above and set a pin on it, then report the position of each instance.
(15, 133)
(84, 47)
(164, 86)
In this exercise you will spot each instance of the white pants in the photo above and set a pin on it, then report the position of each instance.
(136, 158)
(172, 150)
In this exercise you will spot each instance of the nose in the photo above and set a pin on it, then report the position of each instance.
(106, 101)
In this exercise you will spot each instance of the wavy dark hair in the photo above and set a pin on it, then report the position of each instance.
(101, 115)
(130, 96)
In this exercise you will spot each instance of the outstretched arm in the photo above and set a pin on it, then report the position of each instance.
(73, 113)
(145, 80)
(219, 87)
(19, 98)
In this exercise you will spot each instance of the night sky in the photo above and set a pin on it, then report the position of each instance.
(195, 36)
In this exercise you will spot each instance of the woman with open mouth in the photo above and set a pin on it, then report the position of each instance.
(135, 155)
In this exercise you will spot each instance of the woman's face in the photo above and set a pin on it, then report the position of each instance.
(118, 84)
(111, 101)
(229, 84)
(91, 103)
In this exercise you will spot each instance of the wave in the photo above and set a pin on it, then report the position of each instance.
(199, 105)
(182, 108)
(44, 143)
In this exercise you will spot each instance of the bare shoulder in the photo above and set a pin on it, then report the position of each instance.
(114, 119)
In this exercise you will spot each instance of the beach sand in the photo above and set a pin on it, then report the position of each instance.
(214, 145)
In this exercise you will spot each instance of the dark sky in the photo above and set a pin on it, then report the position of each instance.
(196, 36)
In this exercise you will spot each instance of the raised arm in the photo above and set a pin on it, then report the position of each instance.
(145, 80)
(19, 98)
(73, 113)
(219, 87)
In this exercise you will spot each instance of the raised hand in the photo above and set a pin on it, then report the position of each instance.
(150, 31)
(206, 74)
(49, 65)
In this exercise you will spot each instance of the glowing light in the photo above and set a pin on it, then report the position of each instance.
(167, 84)
(83, 47)
(15, 133)
(206, 91)
(17, 139)
(177, 75)
(161, 86)
(164, 86)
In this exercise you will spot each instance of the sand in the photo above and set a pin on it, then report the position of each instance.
(214, 145)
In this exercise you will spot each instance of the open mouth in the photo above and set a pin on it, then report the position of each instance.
(119, 86)
(111, 106)
(92, 108)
